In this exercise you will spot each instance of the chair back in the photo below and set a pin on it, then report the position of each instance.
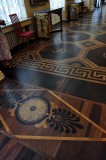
(16, 23)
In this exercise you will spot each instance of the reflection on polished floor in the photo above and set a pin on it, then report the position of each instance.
(53, 104)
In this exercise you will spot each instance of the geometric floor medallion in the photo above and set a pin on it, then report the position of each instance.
(97, 56)
(32, 110)
(59, 51)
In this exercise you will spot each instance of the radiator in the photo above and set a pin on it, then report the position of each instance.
(12, 39)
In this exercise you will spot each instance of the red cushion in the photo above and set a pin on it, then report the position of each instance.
(25, 34)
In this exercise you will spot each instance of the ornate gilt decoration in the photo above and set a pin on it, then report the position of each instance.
(1, 75)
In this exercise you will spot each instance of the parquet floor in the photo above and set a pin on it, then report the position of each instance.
(54, 101)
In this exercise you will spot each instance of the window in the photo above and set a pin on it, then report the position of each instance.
(12, 6)
(54, 4)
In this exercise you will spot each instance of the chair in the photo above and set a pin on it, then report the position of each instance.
(74, 11)
(27, 35)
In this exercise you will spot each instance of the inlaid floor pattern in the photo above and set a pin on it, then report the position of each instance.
(53, 104)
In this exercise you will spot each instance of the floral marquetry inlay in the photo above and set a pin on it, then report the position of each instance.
(38, 111)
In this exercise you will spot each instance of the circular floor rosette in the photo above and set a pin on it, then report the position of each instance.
(33, 110)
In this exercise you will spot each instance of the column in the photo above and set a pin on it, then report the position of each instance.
(90, 4)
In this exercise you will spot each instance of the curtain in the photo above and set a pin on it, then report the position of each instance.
(12, 6)
(54, 4)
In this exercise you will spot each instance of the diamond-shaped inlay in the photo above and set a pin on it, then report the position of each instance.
(87, 28)
(97, 56)
(60, 51)
(73, 37)
(88, 44)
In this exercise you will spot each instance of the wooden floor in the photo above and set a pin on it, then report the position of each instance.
(53, 104)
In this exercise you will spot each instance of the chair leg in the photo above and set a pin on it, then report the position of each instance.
(18, 43)
(27, 43)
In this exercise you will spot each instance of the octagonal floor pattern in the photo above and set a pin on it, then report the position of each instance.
(70, 54)
(76, 56)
